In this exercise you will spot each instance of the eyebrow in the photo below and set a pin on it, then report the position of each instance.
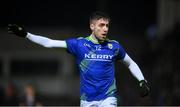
(104, 23)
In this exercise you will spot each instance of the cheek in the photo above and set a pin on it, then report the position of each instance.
(97, 29)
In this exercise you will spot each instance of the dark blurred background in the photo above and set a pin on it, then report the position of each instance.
(148, 30)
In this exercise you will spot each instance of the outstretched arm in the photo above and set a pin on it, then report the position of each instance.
(44, 41)
(136, 72)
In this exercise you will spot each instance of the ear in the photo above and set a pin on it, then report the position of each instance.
(92, 26)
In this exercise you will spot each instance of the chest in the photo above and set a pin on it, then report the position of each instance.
(98, 52)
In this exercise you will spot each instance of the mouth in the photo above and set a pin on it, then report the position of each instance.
(104, 35)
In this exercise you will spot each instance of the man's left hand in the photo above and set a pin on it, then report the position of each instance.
(144, 88)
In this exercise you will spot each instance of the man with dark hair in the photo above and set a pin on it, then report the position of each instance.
(98, 15)
(95, 56)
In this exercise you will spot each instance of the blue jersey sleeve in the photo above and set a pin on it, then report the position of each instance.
(121, 53)
(72, 46)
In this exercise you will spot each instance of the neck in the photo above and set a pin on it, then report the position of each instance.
(93, 38)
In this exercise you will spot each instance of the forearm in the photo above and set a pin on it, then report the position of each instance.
(135, 70)
(46, 42)
(133, 67)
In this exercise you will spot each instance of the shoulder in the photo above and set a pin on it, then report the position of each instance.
(75, 39)
(78, 38)
(114, 42)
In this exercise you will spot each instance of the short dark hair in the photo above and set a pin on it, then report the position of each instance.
(98, 15)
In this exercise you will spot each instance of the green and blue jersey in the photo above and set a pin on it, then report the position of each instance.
(96, 65)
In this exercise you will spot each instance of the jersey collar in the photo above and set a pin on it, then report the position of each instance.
(90, 38)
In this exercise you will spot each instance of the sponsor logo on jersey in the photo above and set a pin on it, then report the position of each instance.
(99, 57)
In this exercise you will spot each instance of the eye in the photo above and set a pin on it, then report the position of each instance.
(101, 24)
(107, 25)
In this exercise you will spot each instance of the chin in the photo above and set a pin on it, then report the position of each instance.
(103, 39)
